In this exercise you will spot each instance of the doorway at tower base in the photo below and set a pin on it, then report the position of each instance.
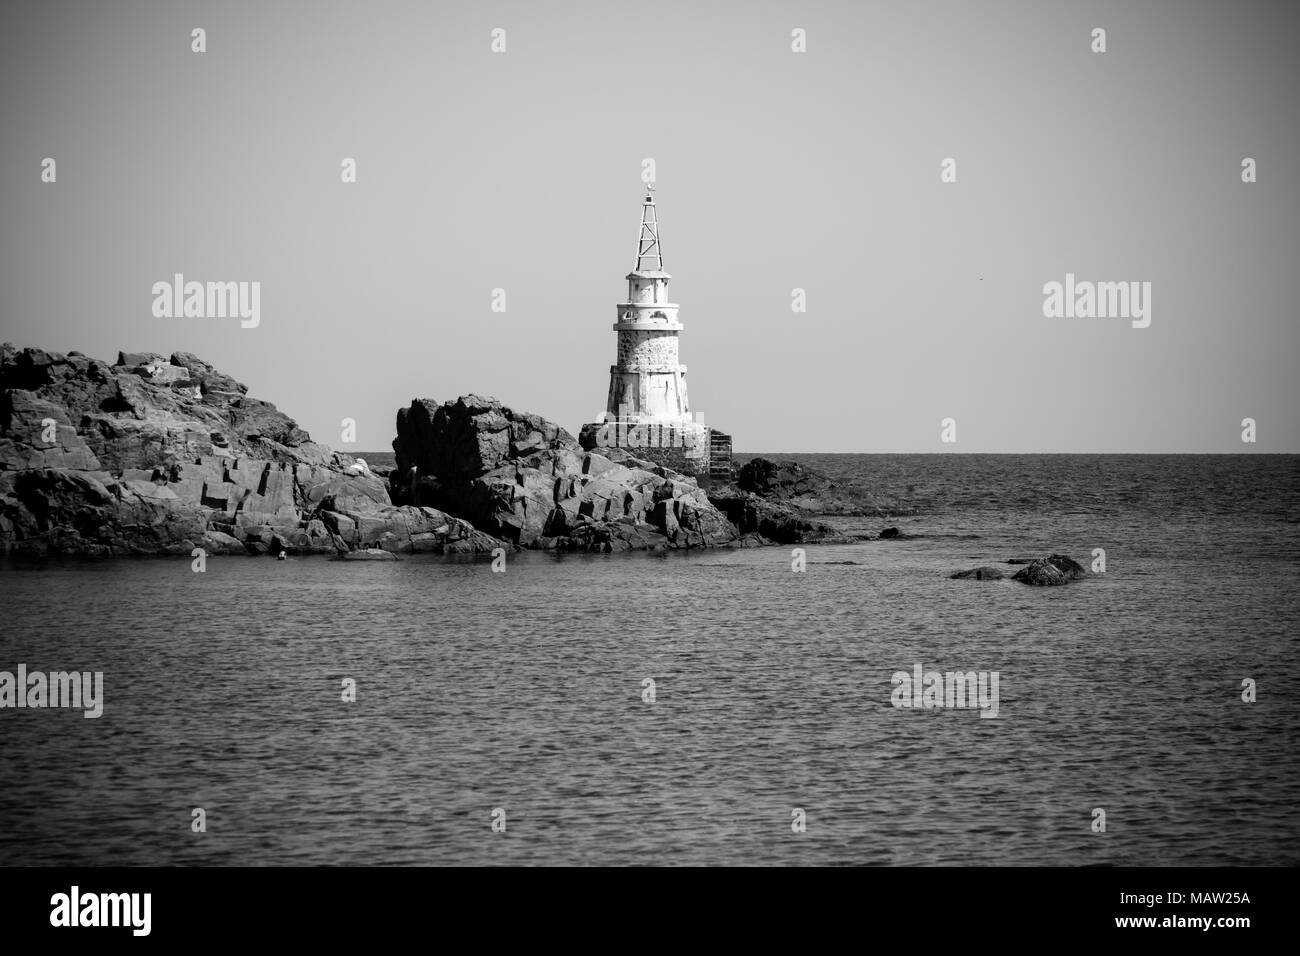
(692, 449)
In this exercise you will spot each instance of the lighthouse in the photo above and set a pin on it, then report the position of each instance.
(647, 408)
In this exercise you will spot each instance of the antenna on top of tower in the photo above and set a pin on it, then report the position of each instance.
(648, 250)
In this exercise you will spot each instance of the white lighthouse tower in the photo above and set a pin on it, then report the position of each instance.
(648, 383)
(647, 410)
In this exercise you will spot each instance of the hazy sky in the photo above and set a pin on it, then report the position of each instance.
(776, 170)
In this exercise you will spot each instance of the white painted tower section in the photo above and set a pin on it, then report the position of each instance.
(648, 384)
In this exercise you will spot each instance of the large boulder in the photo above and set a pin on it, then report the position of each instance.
(518, 477)
(465, 439)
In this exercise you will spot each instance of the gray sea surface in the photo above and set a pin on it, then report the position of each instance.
(523, 690)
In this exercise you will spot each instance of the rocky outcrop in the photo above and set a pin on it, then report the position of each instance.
(778, 501)
(774, 521)
(782, 480)
(521, 478)
(71, 411)
(160, 455)
(1050, 571)
(408, 529)
(794, 484)
(156, 455)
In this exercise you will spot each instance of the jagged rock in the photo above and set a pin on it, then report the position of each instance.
(155, 368)
(781, 480)
(772, 520)
(797, 485)
(411, 529)
(154, 456)
(324, 488)
(462, 440)
(135, 359)
(518, 477)
(218, 542)
(129, 420)
(38, 433)
(1054, 570)
(205, 377)
(624, 534)
(985, 573)
(61, 511)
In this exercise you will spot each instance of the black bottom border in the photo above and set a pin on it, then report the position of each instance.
(915, 906)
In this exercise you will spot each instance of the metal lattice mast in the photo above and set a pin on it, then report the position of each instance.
(648, 249)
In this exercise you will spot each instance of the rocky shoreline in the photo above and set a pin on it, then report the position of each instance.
(162, 455)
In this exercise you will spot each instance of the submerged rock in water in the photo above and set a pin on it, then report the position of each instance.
(984, 573)
(1045, 572)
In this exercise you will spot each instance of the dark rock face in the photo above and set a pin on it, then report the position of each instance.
(985, 573)
(799, 486)
(160, 456)
(1047, 572)
(778, 501)
(773, 520)
(890, 533)
(465, 439)
(781, 479)
(526, 480)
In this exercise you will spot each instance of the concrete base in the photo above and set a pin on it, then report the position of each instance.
(694, 450)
